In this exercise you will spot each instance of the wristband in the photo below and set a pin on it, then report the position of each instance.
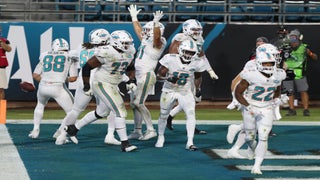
(156, 24)
(134, 18)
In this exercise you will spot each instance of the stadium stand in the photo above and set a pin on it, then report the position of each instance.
(163, 5)
(216, 7)
(239, 8)
(92, 9)
(293, 9)
(213, 11)
(313, 8)
(185, 7)
(266, 8)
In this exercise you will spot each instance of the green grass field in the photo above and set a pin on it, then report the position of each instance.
(201, 114)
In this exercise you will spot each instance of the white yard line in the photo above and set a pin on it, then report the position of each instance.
(281, 168)
(223, 154)
(11, 165)
(218, 122)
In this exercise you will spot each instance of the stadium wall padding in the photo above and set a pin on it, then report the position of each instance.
(227, 48)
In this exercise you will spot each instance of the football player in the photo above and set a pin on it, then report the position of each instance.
(180, 71)
(111, 62)
(234, 129)
(97, 37)
(52, 72)
(192, 30)
(258, 92)
(151, 48)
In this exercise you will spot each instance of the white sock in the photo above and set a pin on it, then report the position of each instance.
(121, 129)
(87, 119)
(240, 140)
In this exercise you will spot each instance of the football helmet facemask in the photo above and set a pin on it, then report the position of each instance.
(121, 39)
(192, 28)
(187, 50)
(264, 57)
(271, 49)
(99, 36)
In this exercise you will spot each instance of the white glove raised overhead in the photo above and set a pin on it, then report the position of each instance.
(134, 12)
(157, 16)
(213, 75)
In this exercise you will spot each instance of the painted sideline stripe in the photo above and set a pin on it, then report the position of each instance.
(282, 168)
(269, 155)
(202, 122)
(11, 165)
(286, 179)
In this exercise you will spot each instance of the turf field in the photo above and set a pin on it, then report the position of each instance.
(293, 153)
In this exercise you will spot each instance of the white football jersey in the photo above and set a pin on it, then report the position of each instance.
(54, 66)
(147, 57)
(114, 64)
(185, 72)
(261, 88)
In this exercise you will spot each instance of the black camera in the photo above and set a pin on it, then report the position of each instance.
(285, 49)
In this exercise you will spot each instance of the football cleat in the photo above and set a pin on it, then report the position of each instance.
(34, 133)
(256, 170)
(127, 147)
(109, 139)
(233, 153)
(191, 147)
(71, 130)
(198, 131)
(169, 122)
(74, 139)
(56, 134)
(135, 135)
(62, 138)
(233, 129)
(148, 135)
(160, 141)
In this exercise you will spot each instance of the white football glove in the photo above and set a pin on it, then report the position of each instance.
(157, 16)
(234, 104)
(88, 93)
(87, 90)
(198, 99)
(131, 87)
(277, 115)
(134, 12)
(284, 99)
(276, 102)
(213, 75)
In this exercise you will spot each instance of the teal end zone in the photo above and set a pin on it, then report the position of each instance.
(92, 159)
